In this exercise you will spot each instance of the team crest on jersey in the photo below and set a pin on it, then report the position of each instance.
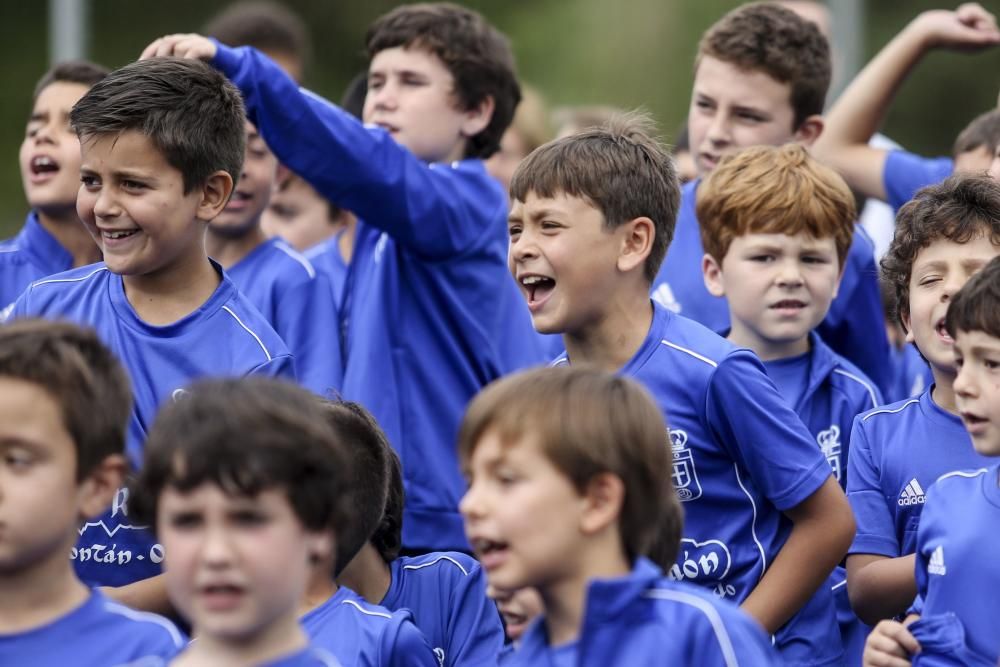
(685, 475)
(829, 442)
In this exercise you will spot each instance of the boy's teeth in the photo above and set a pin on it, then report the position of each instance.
(118, 235)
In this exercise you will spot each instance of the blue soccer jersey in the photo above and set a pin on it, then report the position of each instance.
(897, 452)
(957, 568)
(361, 634)
(226, 336)
(430, 314)
(648, 619)
(31, 255)
(297, 301)
(326, 257)
(446, 592)
(741, 457)
(854, 327)
(905, 173)
(98, 633)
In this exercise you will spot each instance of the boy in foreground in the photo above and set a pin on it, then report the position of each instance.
(569, 483)
(62, 441)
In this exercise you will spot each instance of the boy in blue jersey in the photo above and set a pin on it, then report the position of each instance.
(62, 438)
(445, 591)
(427, 316)
(162, 145)
(956, 542)
(895, 176)
(761, 77)
(52, 239)
(776, 226)
(293, 296)
(944, 235)
(359, 632)
(569, 485)
(245, 485)
(591, 219)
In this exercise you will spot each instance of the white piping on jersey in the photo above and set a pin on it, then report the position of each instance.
(10, 248)
(889, 412)
(836, 586)
(298, 257)
(753, 524)
(968, 474)
(435, 562)
(725, 643)
(145, 617)
(692, 353)
(247, 329)
(67, 280)
(329, 660)
(868, 387)
(366, 611)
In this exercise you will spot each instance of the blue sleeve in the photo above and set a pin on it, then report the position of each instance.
(855, 325)
(282, 366)
(763, 434)
(475, 635)
(436, 211)
(905, 173)
(306, 319)
(403, 645)
(876, 532)
(734, 639)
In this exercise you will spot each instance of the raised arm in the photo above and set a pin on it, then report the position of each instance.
(861, 108)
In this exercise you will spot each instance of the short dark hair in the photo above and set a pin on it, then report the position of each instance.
(360, 433)
(588, 422)
(620, 168)
(477, 55)
(83, 72)
(388, 537)
(353, 99)
(190, 112)
(769, 38)
(960, 208)
(976, 307)
(246, 436)
(267, 26)
(982, 132)
(81, 375)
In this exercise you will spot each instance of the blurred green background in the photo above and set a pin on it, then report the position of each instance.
(626, 53)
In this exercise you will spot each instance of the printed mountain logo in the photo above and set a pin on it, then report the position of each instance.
(936, 566)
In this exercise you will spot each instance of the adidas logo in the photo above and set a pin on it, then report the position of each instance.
(665, 297)
(912, 494)
(936, 566)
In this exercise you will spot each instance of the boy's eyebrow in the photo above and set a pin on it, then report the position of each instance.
(543, 213)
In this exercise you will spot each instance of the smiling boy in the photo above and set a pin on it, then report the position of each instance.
(944, 235)
(52, 240)
(428, 317)
(154, 172)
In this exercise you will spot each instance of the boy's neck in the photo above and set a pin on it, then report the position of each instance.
(172, 293)
(281, 638)
(321, 588)
(228, 250)
(565, 600)
(611, 342)
(766, 350)
(345, 244)
(47, 591)
(65, 226)
(367, 575)
(943, 393)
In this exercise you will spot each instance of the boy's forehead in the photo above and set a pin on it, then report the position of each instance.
(558, 202)
(413, 57)
(977, 250)
(59, 94)
(968, 342)
(740, 85)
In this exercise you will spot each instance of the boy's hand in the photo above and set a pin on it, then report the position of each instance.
(190, 46)
(889, 645)
(968, 28)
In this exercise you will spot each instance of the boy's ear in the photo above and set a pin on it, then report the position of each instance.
(905, 320)
(320, 546)
(215, 193)
(98, 489)
(478, 117)
(604, 498)
(637, 242)
(712, 273)
(809, 130)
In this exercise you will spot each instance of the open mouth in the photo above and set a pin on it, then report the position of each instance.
(43, 164)
(538, 288)
(238, 200)
(489, 552)
(788, 304)
(115, 235)
(942, 331)
(221, 596)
